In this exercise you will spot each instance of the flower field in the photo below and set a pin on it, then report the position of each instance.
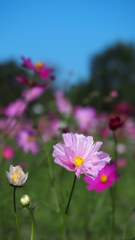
(75, 164)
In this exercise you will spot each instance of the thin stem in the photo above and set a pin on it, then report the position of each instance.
(113, 213)
(16, 214)
(31, 223)
(113, 189)
(115, 145)
(67, 207)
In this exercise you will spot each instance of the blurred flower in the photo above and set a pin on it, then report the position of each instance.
(33, 93)
(16, 176)
(84, 117)
(124, 108)
(48, 127)
(8, 152)
(22, 79)
(105, 179)
(114, 93)
(62, 103)
(27, 139)
(25, 201)
(27, 63)
(23, 165)
(121, 148)
(115, 123)
(44, 72)
(79, 154)
(121, 163)
(40, 68)
(15, 109)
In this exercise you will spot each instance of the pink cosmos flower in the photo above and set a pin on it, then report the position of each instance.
(105, 179)
(84, 117)
(8, 152)
(62, 103)
(15, 109)
(80, 154)
(33, 93)
(27, 139)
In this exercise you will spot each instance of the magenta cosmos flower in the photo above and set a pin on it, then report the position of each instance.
(8, 152)
(105, 179)
(80, 154)
(40, 68)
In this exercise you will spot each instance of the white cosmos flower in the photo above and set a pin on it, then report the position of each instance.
(16, 176)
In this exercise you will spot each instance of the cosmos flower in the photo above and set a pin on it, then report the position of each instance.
(16, 176)
(27, 139)
(63, 104)
(80, 154)
(105, 179)
(27, 63)
(84, 117)
(33, 93)
(115, 123)
(40, 68)
(44, 72)
(8, 152)
(15, 109)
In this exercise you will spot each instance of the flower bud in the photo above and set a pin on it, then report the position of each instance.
(25, 201)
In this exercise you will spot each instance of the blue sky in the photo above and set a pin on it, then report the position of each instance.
(63, 33)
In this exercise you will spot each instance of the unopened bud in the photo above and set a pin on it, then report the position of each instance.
(25, 201)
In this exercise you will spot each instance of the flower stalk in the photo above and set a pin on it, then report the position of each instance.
(31, 216)
(16, 221)
(68, 204)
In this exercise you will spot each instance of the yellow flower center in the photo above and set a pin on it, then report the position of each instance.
(17, 173)
(15, 177)
(78, 161)
(39, 64)
(103, 178)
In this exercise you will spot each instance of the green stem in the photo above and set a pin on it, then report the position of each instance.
(16, 214)
(31, 223)
(67, 207)
(113, 189)
(115, 146)
(113, 213)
